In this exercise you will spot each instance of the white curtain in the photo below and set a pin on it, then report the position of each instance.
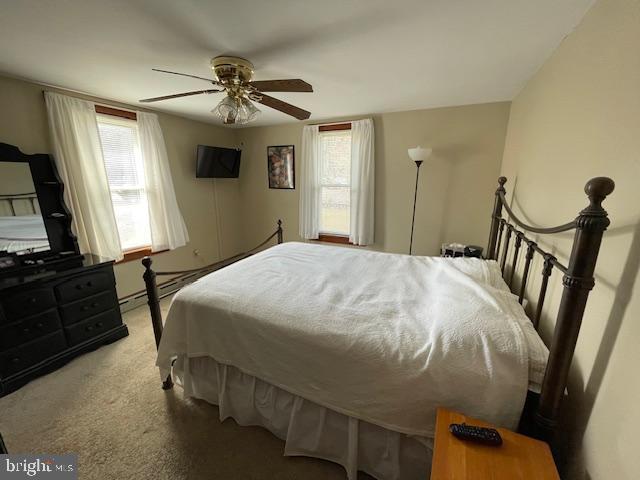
(78, 155)
(362, 182)
(168, 230)
(310, 184)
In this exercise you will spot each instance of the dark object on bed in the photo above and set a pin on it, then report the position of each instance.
(217, 162)
(63, 247)
(459, 250)
(52, 316)
(473, 251)
(153, 296)
(578, 280)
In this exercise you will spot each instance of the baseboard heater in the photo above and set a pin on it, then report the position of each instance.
(137, 299)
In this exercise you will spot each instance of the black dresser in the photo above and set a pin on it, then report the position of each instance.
(49, 317)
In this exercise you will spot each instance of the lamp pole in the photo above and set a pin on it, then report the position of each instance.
(418, 155)
(415, 197)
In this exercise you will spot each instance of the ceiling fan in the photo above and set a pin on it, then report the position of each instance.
(233, 76)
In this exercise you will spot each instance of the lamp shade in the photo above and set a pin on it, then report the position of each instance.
(419, 154)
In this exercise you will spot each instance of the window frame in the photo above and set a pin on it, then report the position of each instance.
(141, 251)
(331, 237)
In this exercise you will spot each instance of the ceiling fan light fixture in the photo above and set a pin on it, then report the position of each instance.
(227, 110)
(248, 110)
(236, 110)
(234, 76)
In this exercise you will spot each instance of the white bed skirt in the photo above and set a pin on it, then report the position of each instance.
(307, 428)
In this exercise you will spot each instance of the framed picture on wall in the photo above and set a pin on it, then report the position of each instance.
(281, 167)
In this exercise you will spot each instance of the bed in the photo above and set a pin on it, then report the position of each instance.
(345, 353)
(22, 232)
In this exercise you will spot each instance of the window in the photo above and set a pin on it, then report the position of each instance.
(125, 174)
(335, 183)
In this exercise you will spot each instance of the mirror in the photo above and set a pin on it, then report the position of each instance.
(22, 228)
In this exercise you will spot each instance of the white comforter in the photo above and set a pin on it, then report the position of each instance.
(23, 232)
(385, 338)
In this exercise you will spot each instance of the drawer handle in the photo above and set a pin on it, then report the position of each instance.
(32, 300)
(15, 360)
(39, 325)
(89, 284)
(88, 328)
(25, 331)
(87, 307)
(99, 324)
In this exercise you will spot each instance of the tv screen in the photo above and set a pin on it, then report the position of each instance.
(217, 162)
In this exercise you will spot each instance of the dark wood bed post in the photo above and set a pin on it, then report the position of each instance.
(153, 296)
(153, 300)
(578, 281)
(492, 252)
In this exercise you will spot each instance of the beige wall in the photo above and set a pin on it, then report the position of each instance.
(15, 178)
(453, 201)
(23, 123)
(456, 183)
(579, 117)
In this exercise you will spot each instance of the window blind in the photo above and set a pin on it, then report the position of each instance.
(125, 174)
(335, 182)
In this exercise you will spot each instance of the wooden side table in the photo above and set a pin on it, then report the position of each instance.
(518, 458)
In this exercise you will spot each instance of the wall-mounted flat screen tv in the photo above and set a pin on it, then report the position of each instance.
(217, 162)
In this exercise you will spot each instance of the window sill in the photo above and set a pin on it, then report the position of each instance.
(137, 254)
(330, 238)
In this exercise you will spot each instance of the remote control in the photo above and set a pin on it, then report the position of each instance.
(486, 436)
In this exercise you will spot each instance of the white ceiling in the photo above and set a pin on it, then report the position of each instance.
(361, 56)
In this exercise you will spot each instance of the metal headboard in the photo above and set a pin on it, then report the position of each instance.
(32, 197)
(577, 281)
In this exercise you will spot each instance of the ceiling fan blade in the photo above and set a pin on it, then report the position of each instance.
(288, 85)
(210, 80)
(284, 107)
(178, 95)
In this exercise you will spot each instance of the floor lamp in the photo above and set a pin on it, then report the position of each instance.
(418, 155)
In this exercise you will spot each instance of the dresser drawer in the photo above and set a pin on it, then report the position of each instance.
(92, 327)
(85, 308)
(83, 286)
(29, 329)
(13, 361)
(22, 304)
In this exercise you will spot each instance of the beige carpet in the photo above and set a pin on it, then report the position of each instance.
(107, 406)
